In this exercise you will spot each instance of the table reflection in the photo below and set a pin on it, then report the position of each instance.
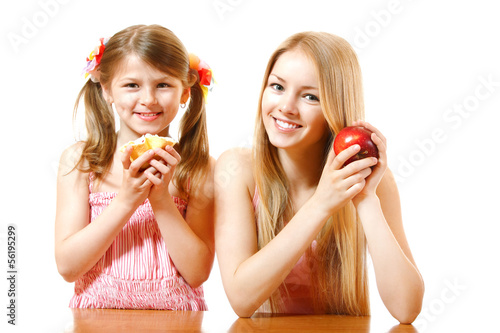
(312, 323)
(301, 323)
(112, 320)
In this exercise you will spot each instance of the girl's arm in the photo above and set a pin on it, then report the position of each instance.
(399, 282)
(190, 241)
(250, 275)
(78, 243)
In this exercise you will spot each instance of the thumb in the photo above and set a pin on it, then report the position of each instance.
(126, 157)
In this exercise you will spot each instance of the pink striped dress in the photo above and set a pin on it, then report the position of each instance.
(136, 271)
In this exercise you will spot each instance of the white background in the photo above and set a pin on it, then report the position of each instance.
(425, 64)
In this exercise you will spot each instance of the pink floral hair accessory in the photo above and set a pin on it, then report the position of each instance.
(204, 72)
(94, 60)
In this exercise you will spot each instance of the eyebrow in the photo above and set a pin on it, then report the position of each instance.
(302, 87)
(128, 78)
(139, 78)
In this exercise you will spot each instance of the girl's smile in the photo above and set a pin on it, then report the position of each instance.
(148, 116)
(285, 126)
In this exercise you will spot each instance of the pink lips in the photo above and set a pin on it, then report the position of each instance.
(148, 116)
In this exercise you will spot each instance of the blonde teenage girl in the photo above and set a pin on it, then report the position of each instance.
(130, 238)
(292, 225)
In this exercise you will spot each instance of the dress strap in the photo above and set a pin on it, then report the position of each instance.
(256, 198)
(91, 181)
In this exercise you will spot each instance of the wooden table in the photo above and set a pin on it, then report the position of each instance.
(109, 321)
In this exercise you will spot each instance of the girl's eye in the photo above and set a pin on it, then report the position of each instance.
(163, 85)
(311, 98)
(132, 85)
(277, 86)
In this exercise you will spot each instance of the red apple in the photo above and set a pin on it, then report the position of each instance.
(352, 135)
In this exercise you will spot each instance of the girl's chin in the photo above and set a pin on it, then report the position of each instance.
(284, 144)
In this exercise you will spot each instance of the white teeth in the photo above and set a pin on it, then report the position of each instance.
(286, 125)
(148, 114)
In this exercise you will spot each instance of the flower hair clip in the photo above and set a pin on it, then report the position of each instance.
(204, 72)
(94, 60)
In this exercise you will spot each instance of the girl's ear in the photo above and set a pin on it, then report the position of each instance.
(106, 94)
(185, 95)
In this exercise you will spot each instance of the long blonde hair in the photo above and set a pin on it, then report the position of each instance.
(339, 260)
(161, 49)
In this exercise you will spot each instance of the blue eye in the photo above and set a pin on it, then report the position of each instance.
(277, 86)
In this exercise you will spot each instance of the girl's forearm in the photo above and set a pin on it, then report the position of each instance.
(79, 252)
(399, 283)
(260, 275)
(192, 257)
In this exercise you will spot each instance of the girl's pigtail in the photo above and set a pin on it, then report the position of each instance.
(193, 141)
(100, 144)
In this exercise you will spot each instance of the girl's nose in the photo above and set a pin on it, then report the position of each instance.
(288, 104)
(148, 97)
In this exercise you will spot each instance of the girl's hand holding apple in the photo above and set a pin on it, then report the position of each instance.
(339, 183)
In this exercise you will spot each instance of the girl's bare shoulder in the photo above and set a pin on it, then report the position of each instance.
(235, 165)
(70, 157)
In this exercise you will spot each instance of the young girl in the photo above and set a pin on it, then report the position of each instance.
(132, 238)
(292, 224)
